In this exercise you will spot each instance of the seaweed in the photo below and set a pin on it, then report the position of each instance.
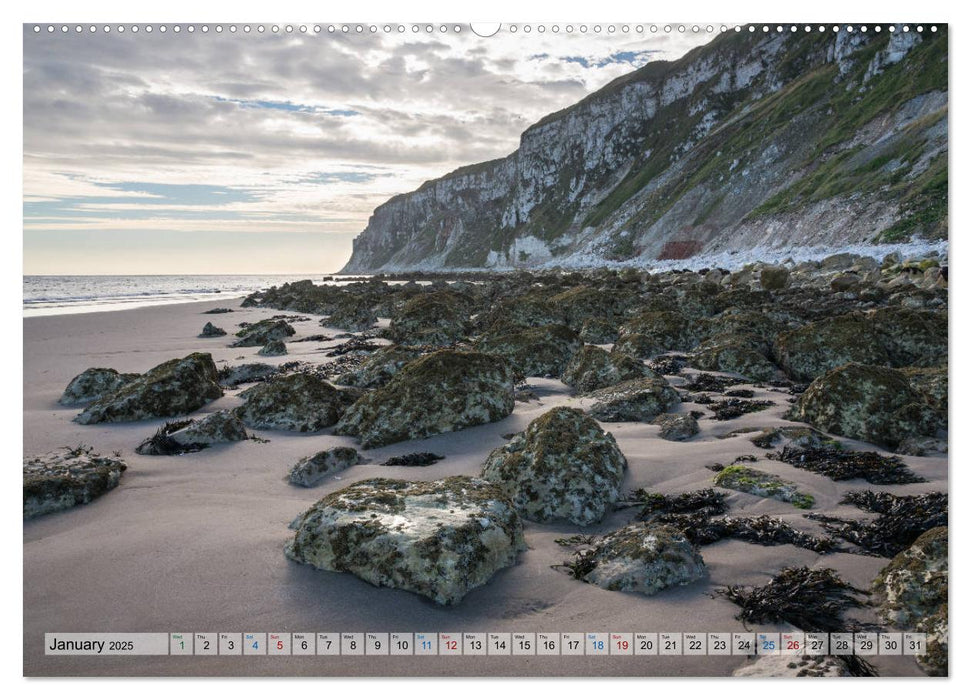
(733, 408)
(413, 459)
(901, 521)
(740, 393)
(763, 529)
(668, 364)
(711, 382)
(841, 465)
(353, 345)
(317, 338)
(707, 502)
(811, 599)
(163, 445)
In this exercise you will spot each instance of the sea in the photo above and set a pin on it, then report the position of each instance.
(47, 295)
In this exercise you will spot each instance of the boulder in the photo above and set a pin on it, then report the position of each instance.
(262, 332)
(578, 305)
(310, 470)
(93, 384)
(911, 337)
(439, 393)
(873, 404)
(598, 330)
(435, 318)
(173, 388)
(534, 352)
(763, 485)
(634, 400)
(656, 332)
(642, 558)
(352, 313)
(807, 352)
(738, 354)
(298, 402)
(912, 593)
(562, 467)
(379, 367)
(594, 368)
(232, 377)
(193, 435)
(525, 311)
(211, 331)
(677, 427)
(66, 478)
(274, 348)
(774, 278)
(439, 539)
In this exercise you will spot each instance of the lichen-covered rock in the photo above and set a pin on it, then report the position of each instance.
(439, 393)
(738, 354)
(774, 278)
(184, 436)
(742, 322)
(912, 337)
(642, 558)
(67, 477)
(274, 348)
(598, 330)
(912, 591)
(310, 470)
(535, 352)
(378, 369)
(656, 332)
(93, 384)
(173, 388)
(581, 304)
(298, 402)
(932, 382)
(796, 436)
(594, 368)
(873, 404)
(526, 311)
(807, 352)
(562, 467)
(435, 318)
(634, 400)
(262, 332)
(439, 539)
(352, 313)
(231, 377)
(677, 426)
(211, 330)
(762, 484)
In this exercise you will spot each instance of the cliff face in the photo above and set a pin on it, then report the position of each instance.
(752, 141)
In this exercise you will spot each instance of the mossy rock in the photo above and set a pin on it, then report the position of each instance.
(534, 352)
(525, 311)
(562, 467)
(912, 337)
(93, 384)
(173, 388)
(932, 382)
(439, 539)
(812, 350)
(594, 368)
(656, 332)
(581, 304)
(643, 558)
(262, 332)
(912, 594)
(210, 330)
(676, 427)
(744, 322)
(378, 369)
(297, 402)
(274, 348)
(66, 478)
(352, 314)
(598, 331)
(774, 278)
(762, 484)
(873, 404)
(736, 354)
(309, 471)
(439, 393)
(634, 400)
(435, 318)
(232, 377)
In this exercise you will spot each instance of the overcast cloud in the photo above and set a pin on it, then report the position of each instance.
(267, 153)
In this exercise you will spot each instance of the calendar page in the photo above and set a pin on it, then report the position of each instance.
(519, 349)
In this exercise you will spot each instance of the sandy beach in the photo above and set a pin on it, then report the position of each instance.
(195, 543)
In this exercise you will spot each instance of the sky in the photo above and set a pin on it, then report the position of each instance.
(230, 153)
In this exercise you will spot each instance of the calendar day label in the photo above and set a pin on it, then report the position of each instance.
(915, 643)
(426, 643)
(401, 643)
(645, 644)
(254, 643)
(865, 644)
(571, 644)
(524, 644)
(352, 644)
(719, 644)
(475, 644)
(891, 643)
(548, 644)
(695, 643)
(328, 644)
(230, 643)
(500, 644)
(597, 644)
(743, 643)
(206, 643)
(180, 644)
(767, 643)
(303, 643)
(669, 643)
(816, 643)
(449, 644)
(376, 643)
(792, 643)
(841, 643)
(278, 644)
(621, 644)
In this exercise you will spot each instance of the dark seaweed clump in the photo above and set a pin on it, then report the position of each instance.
(668, 364)
(218, 310)
(414, 459)
(841, 465)
(318, 338)
(763, 529)
(740, 393)
(733, 408)
(353, 345)
(705, 502)
(902, 520)
(811, 599)
(711, 382)
(163, 445)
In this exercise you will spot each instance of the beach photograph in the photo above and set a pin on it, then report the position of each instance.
(453, 350)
